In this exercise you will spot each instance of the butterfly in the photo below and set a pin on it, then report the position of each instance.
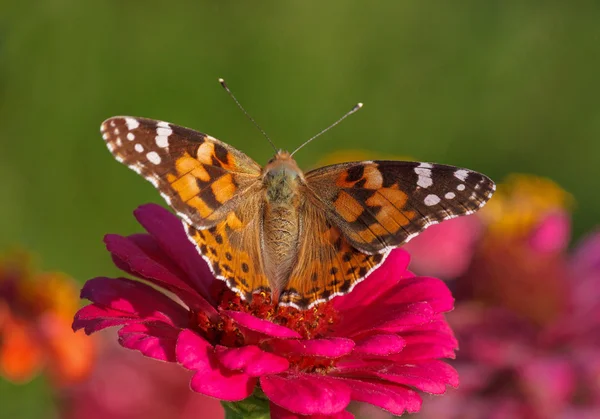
(302, 237)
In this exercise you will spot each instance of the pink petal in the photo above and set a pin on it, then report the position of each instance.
(328, 348)
(306, 394)
(150, 247)
(377, 283)
(153, 339)
(197, 354)
(411, 290)
(379, 345)
(259, 325)
(167, 229)
(134, 299)
(278, 412)
(431, 377)
(92, 318)
(251, 360)
(385, 319)
(394, 398)
(129, 254)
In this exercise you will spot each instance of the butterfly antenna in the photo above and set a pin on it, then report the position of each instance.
(222, 82)
(350, 112)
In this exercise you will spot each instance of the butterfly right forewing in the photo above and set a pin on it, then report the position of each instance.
(380, 205)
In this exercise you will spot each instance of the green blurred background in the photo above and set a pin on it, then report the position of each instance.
(498, 87)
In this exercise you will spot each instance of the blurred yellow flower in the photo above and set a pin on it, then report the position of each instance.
(521, 203)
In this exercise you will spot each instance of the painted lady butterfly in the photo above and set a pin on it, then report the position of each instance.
(303, 237)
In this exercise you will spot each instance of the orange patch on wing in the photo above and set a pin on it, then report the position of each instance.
(390, 216)
(234, 222)
(342, 181)
(186, 187)
(388, 196)
(187, 164)
(349, 208)
(223, 188)
(203, 209)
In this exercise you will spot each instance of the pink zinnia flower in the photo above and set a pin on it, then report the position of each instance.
(377, 345)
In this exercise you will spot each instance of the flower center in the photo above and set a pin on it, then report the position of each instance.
(313, 323)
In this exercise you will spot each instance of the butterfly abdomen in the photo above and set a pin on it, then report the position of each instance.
(281, 221)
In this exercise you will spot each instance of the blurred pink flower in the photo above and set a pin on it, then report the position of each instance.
(514, 366)
(376, 345)
(520, 261)
(124, 385)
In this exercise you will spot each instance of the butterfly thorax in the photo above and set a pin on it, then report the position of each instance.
(282, 180)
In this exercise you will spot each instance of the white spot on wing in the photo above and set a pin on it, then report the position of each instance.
(153, 157)
(460, 187)
(118, 142)
(431, 199)
(139, 148)
(131, 123)
(450, 195)
(116, 131)
(105, 136)
(162, 137)
(130, 136)
(424, 172)
(162, 124)
(461, 174)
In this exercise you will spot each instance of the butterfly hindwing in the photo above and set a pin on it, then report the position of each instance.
(327, 265)
(232, 248)
(199, 176)
(379, 205)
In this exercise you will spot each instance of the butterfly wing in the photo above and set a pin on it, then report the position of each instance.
(327, 264)
(208, 183)
(232, 247)
(380, 205)
(202, 178)
(358, 212)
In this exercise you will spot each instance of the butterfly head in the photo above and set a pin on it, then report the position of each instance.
(281, 177)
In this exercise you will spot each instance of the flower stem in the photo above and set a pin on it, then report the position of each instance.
(254, 407)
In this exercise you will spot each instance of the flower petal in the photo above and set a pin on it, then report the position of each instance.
(259, 325)
(197, 354)
(140, 256)
(278, 412)
(379, 345)
(134, 299)
(396, 399)
(251, 360)
(307, 394)
(385, 319)
(168, 230)
(153, 339)
(328, 348)
(431, 377)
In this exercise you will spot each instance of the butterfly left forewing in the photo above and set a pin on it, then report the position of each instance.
(379, 205)
(200, 177)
